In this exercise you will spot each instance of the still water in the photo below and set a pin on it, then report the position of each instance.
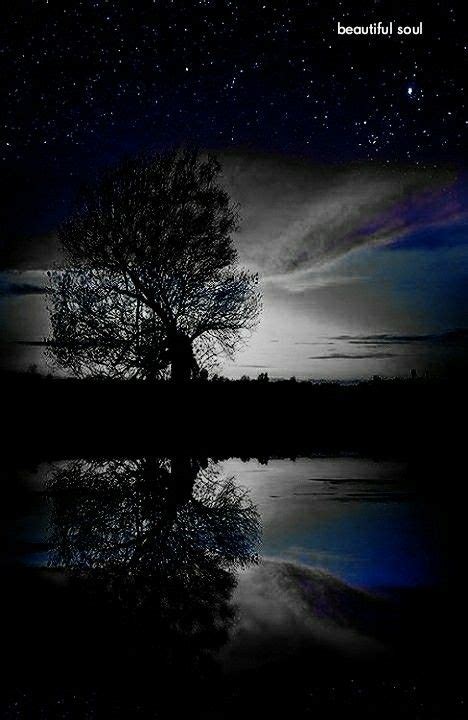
(196, 569)
(352, 517)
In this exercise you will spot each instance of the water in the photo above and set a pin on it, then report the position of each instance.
(217, 572)
(352, 517)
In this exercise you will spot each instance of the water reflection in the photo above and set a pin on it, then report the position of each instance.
(153, 582)
(142, 561)
(175, 518)
(160, 537)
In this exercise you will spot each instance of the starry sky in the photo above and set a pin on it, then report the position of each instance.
(347, 154)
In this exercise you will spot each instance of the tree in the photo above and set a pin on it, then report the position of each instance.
(176, 517)
(151, 277)
(150, 547)
(163, 533)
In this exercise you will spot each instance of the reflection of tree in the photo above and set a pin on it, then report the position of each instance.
(158, 539)
(149, 515)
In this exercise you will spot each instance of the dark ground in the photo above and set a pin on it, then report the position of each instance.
(51, 418)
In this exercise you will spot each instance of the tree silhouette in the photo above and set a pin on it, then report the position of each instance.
(151, 278)
(147, 517)
(148, 547)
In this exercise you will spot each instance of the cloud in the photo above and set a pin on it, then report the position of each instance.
(33, 343)
(14, 283)
(345, 356)
(257, 367)
(299, 217)
(21, 289)
(286, 609)
(30, 253)
(421, 216)
(327, 276)
(458, 337)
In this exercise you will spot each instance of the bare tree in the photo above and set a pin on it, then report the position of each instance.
(151, 547)
(175, 516)
(151, 276)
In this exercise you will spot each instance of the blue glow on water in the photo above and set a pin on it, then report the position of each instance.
(367, 532)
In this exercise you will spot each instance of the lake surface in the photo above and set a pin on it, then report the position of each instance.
(353, 517)
(225, 569)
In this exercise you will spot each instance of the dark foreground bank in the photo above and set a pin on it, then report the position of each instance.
(146, 588)
(56, 418)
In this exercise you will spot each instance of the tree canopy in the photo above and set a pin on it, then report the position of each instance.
(150, 547)
(173, 516)
(151, 277)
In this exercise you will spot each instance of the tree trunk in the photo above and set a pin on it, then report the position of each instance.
(184, 472)
(181, 357)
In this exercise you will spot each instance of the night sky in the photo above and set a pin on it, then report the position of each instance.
(87, 82)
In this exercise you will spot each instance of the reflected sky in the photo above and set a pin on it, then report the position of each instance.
(351, 517)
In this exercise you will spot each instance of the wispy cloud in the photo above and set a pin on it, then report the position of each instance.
(23, 283)
(417, 215)
(298, 218)
(346, 356)
(7, 289)
(452, 337)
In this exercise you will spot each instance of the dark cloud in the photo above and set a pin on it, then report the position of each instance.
(22, 289)
(33, 343)
(345, 356)
(258, 367)
(315, 342)
(453, 337)
(30, 253)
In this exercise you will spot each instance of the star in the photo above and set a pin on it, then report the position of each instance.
(90, 82)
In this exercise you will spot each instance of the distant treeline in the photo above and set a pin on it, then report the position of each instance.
(33, 375)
